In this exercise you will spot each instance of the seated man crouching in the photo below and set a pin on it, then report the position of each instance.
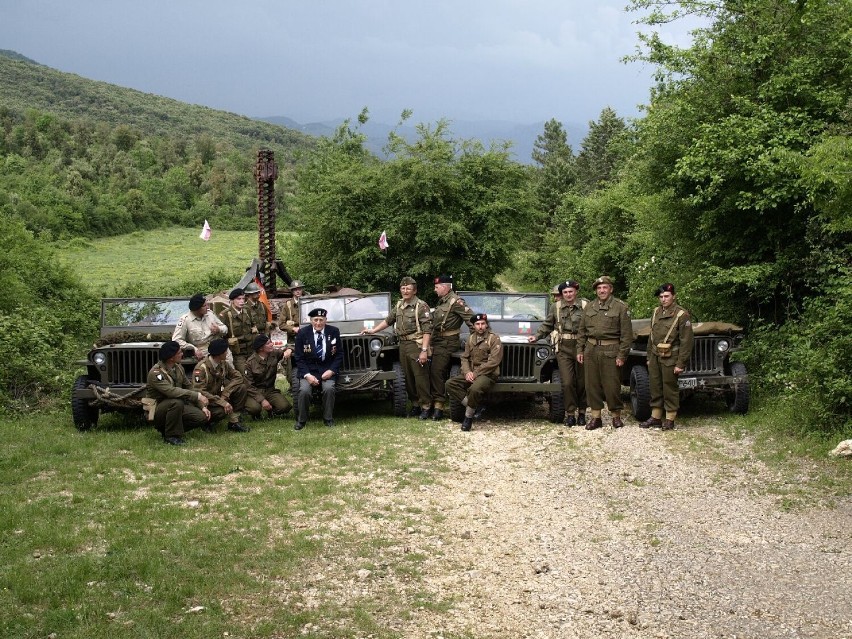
(172, 405)
(222, 384)
(261, 370)
(480, 368)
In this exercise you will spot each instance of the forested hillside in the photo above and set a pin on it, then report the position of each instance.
(89, 158)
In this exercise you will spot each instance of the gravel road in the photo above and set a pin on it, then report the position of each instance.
(551, 532)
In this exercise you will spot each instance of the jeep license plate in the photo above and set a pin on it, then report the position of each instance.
(687, 382)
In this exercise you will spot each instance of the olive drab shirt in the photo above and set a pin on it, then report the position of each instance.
(288, 317)
(671, 326)
(607, 321)
(261, 373)
(449, 315)
(169, 383)
(257, 310)
(215, 380)
(410, 320)
(482, 355)
(242, 329)
(563, 323)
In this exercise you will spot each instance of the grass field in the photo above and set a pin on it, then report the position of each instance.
(111, 534)
(148, 259)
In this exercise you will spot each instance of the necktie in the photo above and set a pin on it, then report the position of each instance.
(319, 345)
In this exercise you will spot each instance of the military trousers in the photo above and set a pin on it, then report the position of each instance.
(237, 400)
(573, 379)
(279, 401)
(439, 370)
(417, 382)
(665, 393)
(475, 391)
(174, 417)
(603, 377)
(306, 393)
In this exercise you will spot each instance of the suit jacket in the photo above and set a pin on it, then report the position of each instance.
(305, 351)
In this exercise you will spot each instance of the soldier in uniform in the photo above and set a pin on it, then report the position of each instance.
(196, 329)
(603, 344)
(447, 319)
(563, 325)
(257, 309)
(222, 384)
(171, 404)
(480, 368)
(261, 370)
(669, 348)
(288, 316)
(241, 327)
(318, 355)
(412, 322)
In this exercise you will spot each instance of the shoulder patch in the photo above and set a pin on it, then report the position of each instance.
(159, 377)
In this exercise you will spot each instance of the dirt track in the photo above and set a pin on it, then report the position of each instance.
(559, 533)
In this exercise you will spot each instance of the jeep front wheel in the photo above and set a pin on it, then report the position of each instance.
(640, 392)
(739, 395)
(398, 392)
(556, 410)
(84, 415)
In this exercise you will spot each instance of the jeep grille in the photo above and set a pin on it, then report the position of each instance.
(129, 366)
(703, 358)
(356, 353)
(519, 363)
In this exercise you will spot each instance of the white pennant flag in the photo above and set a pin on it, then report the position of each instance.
(383, 241)
(206, 232)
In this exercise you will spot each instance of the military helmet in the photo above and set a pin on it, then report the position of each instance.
(251, 288)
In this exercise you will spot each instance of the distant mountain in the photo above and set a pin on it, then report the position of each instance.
(522, 136)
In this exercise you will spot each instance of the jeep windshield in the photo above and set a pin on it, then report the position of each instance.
(508, 306)
(142, 312)
(347, 308)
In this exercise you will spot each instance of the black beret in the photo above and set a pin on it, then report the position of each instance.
(260, 341)
(444, 279)
(317, 312)
(668, 287)
(480, 317)
(169, 350)
(217, 346)
(568, 284)
(196, 301)
(236, 293)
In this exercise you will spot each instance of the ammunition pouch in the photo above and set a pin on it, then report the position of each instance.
(149, 405)
(664, 349)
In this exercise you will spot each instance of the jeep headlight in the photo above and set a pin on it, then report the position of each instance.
(99, 358)
(542, 352)
(723, 345)
(375, 345)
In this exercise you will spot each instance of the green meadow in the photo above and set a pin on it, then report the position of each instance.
(151, 260)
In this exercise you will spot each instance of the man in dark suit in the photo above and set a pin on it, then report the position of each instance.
(318, 354)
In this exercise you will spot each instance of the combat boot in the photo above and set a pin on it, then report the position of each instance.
(570, 421)
(668, 425)
(594, 423)
(617, 422)
(651, 422)
(438, 415)
(467, 423)
(581, 419)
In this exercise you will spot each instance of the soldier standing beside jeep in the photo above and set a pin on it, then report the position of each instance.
(241, 328)
(172, 405)
(669, 348)
(603, 344)
(288, 316)
(447, 319)
(563, 326)
(412, 322)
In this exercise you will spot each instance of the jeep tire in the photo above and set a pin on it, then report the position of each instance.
(640, 392)
(85, 417)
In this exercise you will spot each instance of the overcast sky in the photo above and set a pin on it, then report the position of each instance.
(315, 60)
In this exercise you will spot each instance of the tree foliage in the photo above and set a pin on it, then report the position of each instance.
(446, 205)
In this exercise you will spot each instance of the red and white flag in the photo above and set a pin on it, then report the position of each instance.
(383, 241)
(206, 232)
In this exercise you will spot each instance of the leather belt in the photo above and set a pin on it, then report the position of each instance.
(450, 333)
(604, 342)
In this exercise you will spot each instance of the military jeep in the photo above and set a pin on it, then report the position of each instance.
(709, 369)
(370, 362)
(527, 370)
(132, 331)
